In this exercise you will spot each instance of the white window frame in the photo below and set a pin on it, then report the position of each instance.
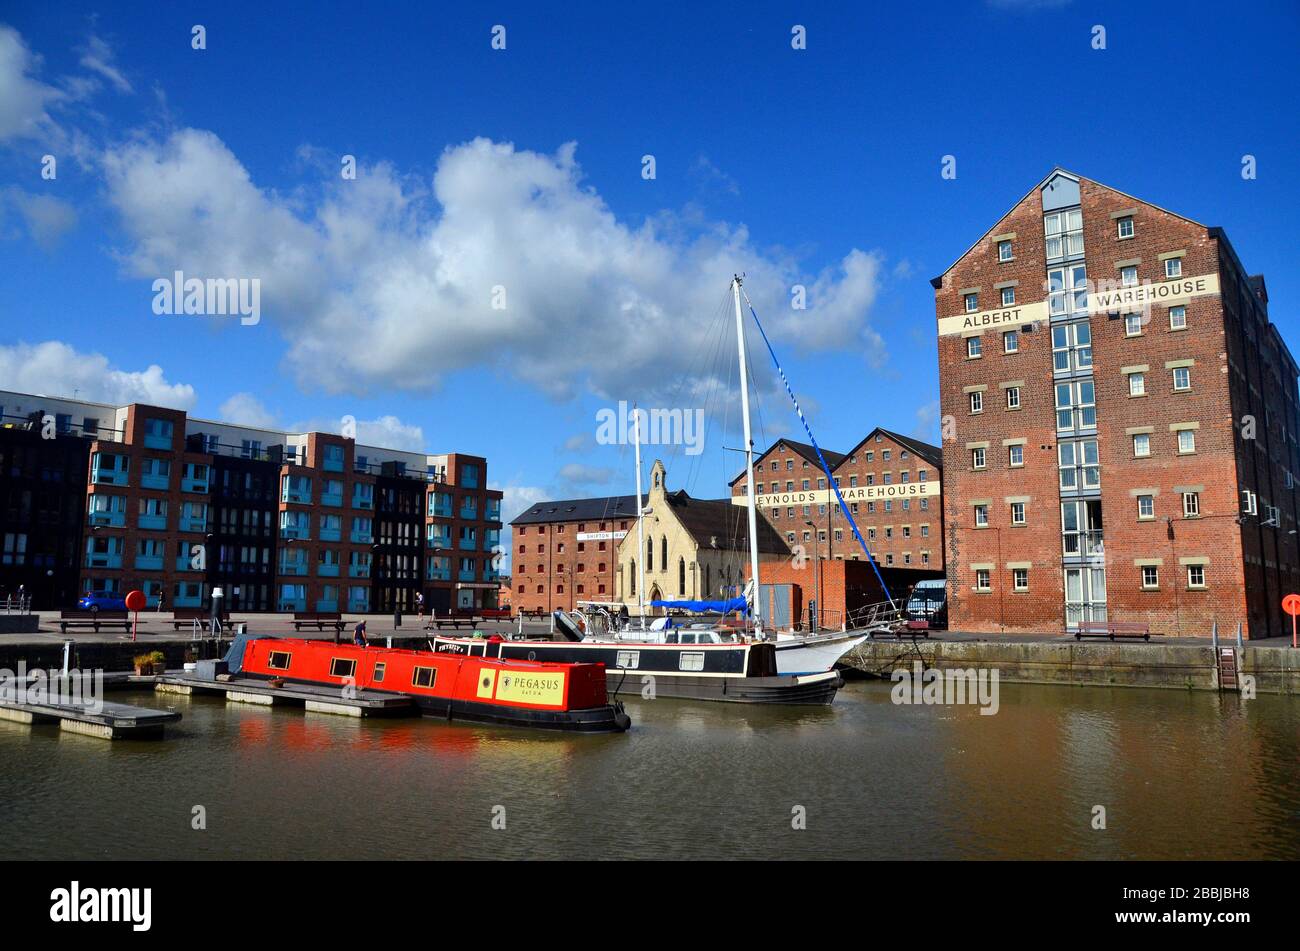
(1015, 456)
(1191, 505)
(1190, 436)
(979, 459)
(1013, 397)
(1151, 501)
(1181, 311)
(1011, 341)
(1005, 245)
(1008, 296)
(1137, 384)
(1196, 585)
(974, 349)
(1119, 227)
(972, 302)
(1145, 441)
(1187, 375)
(1016, 575)
(1173, 267)
(1018, 513)
(1153, 585)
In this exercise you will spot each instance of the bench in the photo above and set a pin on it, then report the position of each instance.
(318, 619)
(1112, 629)
(80, 617)
(533, 612)
(434, 624)
(185, 617)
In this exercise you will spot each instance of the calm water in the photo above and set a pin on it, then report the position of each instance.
(1181, 775)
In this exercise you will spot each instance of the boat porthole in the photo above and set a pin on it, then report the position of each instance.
(532, 655)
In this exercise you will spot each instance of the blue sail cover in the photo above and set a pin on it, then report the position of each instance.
(722, 607)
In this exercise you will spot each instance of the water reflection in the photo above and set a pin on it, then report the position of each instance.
(1179, 774)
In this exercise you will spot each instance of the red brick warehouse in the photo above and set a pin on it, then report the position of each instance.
(1120, 422)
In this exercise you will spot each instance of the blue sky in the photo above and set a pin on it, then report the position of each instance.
(522, 168)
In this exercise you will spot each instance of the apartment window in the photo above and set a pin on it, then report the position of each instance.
(1064, 233)
(1076, 406)
(1191, 504)
(1178, 318)
(1013, 399)
(1128, 276)
(1124, 227)
(1174, 267)
(978, 458)
(1182, 378)
(1137, 384)
(1067, 290)
(1132, 325)
(1141, 445)
(976, 401)
(1146, 506)
(1017, 513)
(981, 515)
(1008, 296)
(972, 351)
(1072, 347)
(1020, 579)
(1079, 465)
(972, 303)
(1196, 576)
(982, 580)
(1015, 456)
(1004, 250)
(1010, 341)
(1150, 577)
(1186, 441)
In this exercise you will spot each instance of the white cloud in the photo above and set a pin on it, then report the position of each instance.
(576, 474)
(47, 218)
(98, 58)
(376, 281)
(245, 409)
(389, 432)
(927, 421)
(53, 368)
(23, 98)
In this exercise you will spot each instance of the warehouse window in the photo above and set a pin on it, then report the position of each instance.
(1013, 401)
(972, 348)
(1178, 318)
(1004, 250)
(1017, 513)
(1020, 579)
(1186, 442)
(1137, 384)
(1010, 340)
(1174, 267)
(976, 402)
(1141, 445)
(1182, 378)
(1191, 505)
(1196, 576)
(972, 303)
(978, 458)
(1146, 506)
(1008, 296)
(1015, 456)
(1124, 227)
(982, 581)
(1150, 578)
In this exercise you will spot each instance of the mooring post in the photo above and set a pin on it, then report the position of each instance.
(67, 656)
(1240, 645)
(1214, 638)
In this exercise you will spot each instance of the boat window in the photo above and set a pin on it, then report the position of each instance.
(628, 659)
(691, 660)
(378, 676)
(670, 638)
(341, 667)
(688, 638)
(424, 676)
(279, 660)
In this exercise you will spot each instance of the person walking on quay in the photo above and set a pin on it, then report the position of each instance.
(160, 599)
(419, 607)
(359, 634)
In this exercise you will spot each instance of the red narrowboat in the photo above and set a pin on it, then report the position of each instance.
(541, 695)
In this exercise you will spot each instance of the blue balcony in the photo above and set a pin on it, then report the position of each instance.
(440, 505)
(108, 476)
(327, 604)
(333, 461)
(183, 563)
(154, 480)
(467, 544)
(334, 499)
(194, 485)
(154, 523)
(296, 496)
(439, 574)
(361, 536)
(358, 571)
(293, 568)
(187, 601)
(440, 541)
(465, 575)
(285, 605)
(330, 534)
(493, 511)
(103, 560)
(158, 441)
(362, 501)
(149, 562)
(112, 519)
(469, 511)
(293, 530)
(327, 571)
(194, 523)
(491, 574)
(359, 605)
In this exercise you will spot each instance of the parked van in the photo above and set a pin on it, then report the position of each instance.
(928, 601)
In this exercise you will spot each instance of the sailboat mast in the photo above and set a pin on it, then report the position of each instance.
(756, 602)
(640, 541)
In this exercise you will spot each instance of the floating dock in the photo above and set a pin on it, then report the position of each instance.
(317, 699)
(109, 721)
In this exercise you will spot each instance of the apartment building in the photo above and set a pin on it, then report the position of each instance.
(1120, 423)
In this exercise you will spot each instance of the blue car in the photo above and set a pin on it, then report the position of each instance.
(102, 601)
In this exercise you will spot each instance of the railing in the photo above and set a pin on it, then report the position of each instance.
(876, 616)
